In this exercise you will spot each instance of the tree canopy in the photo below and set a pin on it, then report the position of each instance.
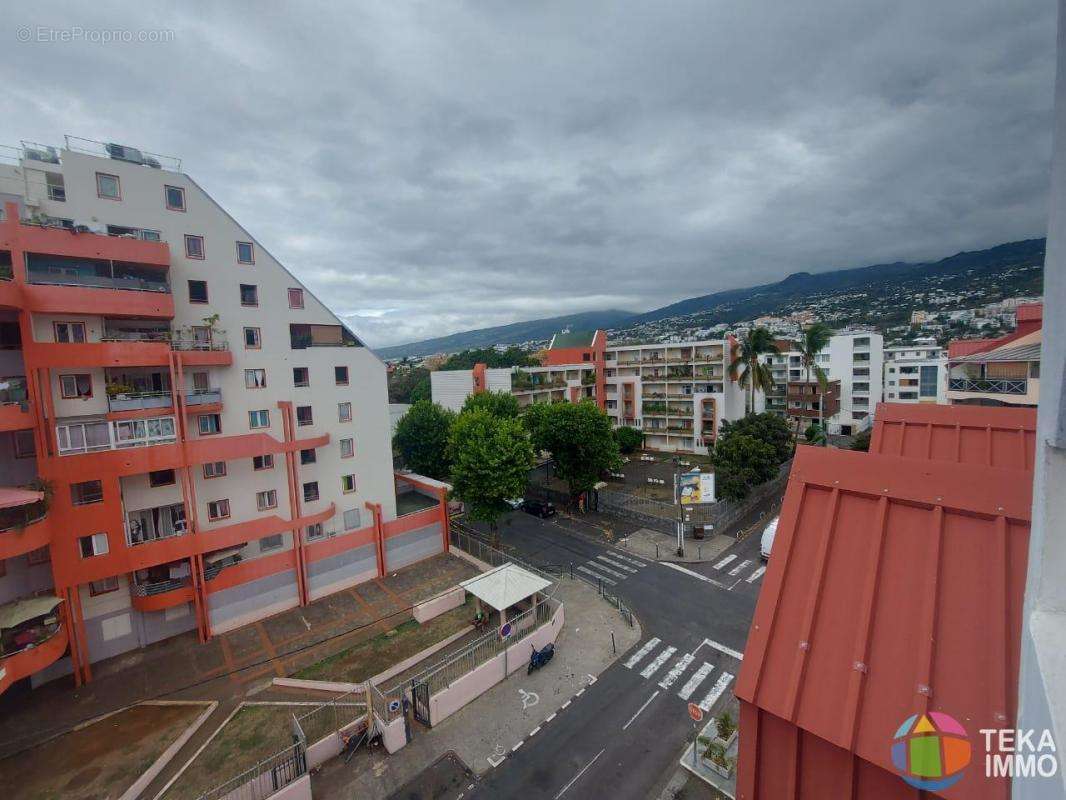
(422, 439)
(499, 404)
(629, 439)
(491, 457)
(747, 368)
(580, 439)
(491, 357)
(742, 461)
(766, 427)
(861, 441)
(409, 385)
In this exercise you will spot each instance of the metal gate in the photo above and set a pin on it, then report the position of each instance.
(420, 698)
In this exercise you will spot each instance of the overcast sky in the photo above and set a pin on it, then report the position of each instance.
(433, 167)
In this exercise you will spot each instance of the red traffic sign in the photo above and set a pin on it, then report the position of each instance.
(695, 712)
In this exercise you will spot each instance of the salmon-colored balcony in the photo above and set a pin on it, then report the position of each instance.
(23, 521)
(32, 637)
(65, 284)
(156, 594)
(57, 241)
(15, 415)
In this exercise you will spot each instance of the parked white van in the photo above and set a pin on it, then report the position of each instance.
(768, 539)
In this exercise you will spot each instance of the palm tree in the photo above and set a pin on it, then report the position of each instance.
(746, 368)
(815, 339)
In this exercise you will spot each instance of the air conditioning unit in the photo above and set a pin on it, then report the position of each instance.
(120, 152)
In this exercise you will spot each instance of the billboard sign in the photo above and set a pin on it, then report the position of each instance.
(696, 487)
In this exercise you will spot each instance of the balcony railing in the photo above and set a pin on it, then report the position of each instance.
(135, 401)
(990, 385)
(98, 282)
(96, 436)
(150, 588)
(181, 343)
(201, 397)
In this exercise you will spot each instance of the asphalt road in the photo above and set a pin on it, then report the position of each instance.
(623, 738)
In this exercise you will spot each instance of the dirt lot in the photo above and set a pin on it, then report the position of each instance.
(637, 473)
(373, 656)
(97, 762)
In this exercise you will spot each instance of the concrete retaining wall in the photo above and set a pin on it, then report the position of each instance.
(393, 734)
(436, 606)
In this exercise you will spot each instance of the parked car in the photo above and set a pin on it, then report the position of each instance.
(515, 502)
(768, 534)
(538, 508)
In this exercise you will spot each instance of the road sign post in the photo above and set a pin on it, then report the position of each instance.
(696, 713)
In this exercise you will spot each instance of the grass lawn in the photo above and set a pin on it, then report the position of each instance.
(373, 656)
(98, 762)
(254, 733)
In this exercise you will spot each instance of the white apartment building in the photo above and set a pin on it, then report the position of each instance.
(856, 359)
(206, 422)
(916, 373)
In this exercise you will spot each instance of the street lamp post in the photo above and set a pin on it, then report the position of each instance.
(680, 517)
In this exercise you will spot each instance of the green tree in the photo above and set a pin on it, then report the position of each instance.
(491, 458)
(766, 427)
(815, 434)
(814, 340)
(537, 420)
(582, 444)
(499, 404)
(861, 441)
(741, 462)
(408, 384)
(422, 439)
(491, 357)
(629, 439)
(746, 367)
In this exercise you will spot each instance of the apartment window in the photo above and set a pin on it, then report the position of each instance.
(209, 424)
(347, 483)
(927, 382)
(353, 518)
(42, 555)
(214, 469)
(308, 457)
(310, 491)
(249, 294)
(340, 376)
(347, 448)
(263, 462)
(81, 494)
(201, 382)
(315, 531)
(252, 340)
(25, 447)
(108, 186)
(194, 247)
(255, 378)
(271, 542)
(304, 415)
(197, 291)
(301, 376)
(259, 419)
(94, 545)
(69, 332)
(245, 253)
(175, 198)
(344, 412)
(218, 509)
(161, 477)
(296, 298)
(267, 500)
(74, 387)
(103, 586)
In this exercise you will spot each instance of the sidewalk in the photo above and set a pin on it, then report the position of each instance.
(659, 546)
(493, 724)
(231, 665)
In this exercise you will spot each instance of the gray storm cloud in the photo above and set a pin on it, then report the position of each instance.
(432, 167)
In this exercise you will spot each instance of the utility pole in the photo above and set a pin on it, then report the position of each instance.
(680, 517)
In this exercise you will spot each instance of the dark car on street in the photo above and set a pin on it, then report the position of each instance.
(538, 508)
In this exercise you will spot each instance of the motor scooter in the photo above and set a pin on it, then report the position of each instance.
(540, 657)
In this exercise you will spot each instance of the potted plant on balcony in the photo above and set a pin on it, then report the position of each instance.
(118, 390)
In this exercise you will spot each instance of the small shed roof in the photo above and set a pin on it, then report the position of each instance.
(505, 585)
(13, 496)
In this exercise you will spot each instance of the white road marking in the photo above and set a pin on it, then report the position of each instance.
(579, 693)
(584, 769)
(617, 564)
(564, 705)
(649, 645)
(690, 573)
(743, 565)
(675, 671)
(646, 702)
(549, 719)
(716, 691)
(721, 648)
(597, 576)
(535, 731)
(660, 659)
(515, 748)
(496, 761)
(756, 574)
(724, 561)
(636, 562)
(608, 570)
(693, 682)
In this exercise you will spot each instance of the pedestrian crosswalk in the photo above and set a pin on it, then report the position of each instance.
(611, 569)
(652, 659)
(747, 570)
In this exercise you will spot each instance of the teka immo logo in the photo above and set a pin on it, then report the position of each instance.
(931, 751)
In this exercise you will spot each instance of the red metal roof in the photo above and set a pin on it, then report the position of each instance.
(966, 347)
(994, 437)
(895, 587)
(1028, 318)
